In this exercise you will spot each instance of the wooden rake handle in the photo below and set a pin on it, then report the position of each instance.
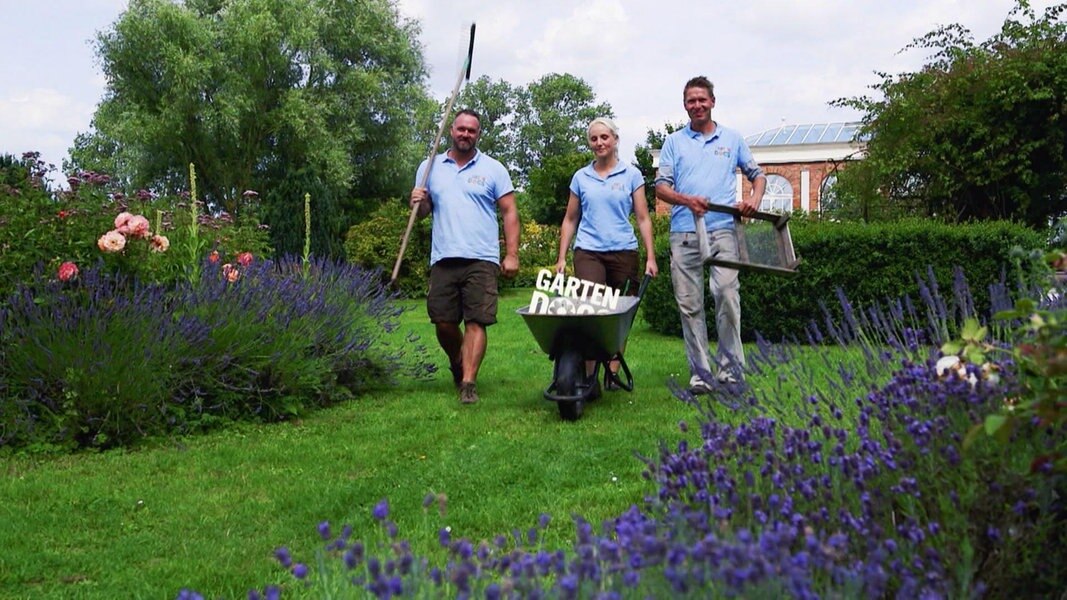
(464, 74)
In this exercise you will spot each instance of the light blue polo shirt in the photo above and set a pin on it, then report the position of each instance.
(607, 203)
(465, 206)
(705, 166)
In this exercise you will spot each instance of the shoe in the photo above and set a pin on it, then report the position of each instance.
(698, 386)
(468, 393)
(612, 383)
(457, 374)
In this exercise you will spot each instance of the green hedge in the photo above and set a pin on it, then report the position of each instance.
(375, 242)
(870, 263)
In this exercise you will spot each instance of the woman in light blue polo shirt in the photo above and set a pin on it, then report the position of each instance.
(603, 196)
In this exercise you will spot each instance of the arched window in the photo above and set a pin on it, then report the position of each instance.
(828, 203)
(778, 196)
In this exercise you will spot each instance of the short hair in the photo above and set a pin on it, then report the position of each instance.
(606, 122)
(700, 82)
(471, 112)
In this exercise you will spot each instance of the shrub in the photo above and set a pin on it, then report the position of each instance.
(374, 244)
(538, 248)
(870, 263)
(105, 360)
(42, 227)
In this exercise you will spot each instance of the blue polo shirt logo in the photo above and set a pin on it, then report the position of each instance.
(723, 151)
(618, 186)
(478, 180)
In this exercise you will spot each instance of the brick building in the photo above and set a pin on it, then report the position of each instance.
(801, 162)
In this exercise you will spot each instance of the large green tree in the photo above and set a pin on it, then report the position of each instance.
(550, 186)
(495, 102)
(551, 117)
(258, 92)
(643, 159)
(980, 132)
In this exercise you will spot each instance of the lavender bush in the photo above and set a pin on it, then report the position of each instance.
(103, 360)
(859, 486)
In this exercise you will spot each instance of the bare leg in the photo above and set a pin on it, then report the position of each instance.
(450, 336)
(473, 350)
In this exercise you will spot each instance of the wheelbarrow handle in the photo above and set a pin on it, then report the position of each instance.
(644, 285)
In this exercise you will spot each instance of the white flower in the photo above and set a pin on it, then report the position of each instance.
(990, 373)
(948, 362)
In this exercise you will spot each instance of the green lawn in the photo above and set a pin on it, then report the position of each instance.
(207, 512)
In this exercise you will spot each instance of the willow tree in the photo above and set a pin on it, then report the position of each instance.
(255, 91)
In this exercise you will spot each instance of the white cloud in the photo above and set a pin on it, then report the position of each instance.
(43, 120)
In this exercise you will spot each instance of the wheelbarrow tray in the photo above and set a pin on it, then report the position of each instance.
(594, 336)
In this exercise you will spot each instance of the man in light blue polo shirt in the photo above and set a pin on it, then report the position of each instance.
(697, 166)
(464, 192)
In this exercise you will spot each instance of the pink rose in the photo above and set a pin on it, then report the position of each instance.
(112, 241)
(160, 243)
(68, 271)
(138, 227)
(122, 222)
(244, 259)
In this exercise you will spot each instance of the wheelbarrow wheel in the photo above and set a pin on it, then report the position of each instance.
(571, 411)
(569, 369)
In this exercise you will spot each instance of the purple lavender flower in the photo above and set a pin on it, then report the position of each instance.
(381, 510)
(543, 520)
(300, 570)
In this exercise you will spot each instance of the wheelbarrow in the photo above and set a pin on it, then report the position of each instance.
(572, 339)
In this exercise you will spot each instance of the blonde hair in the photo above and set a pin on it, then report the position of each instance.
(606, 122)
(612, 127)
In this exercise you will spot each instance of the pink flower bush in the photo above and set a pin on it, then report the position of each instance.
(133, 226)
(138, 227)
(244, 259)
(122, 222)
(159, 243)
(67, 271)
(112, 241)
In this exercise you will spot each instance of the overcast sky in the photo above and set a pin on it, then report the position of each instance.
(772, 61)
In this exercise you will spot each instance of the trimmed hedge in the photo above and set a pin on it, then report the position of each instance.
(869, 262)
(375, 242)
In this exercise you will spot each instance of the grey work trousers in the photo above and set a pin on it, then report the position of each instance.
(687, 276)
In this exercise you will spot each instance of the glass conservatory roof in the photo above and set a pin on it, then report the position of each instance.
(812, 133)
